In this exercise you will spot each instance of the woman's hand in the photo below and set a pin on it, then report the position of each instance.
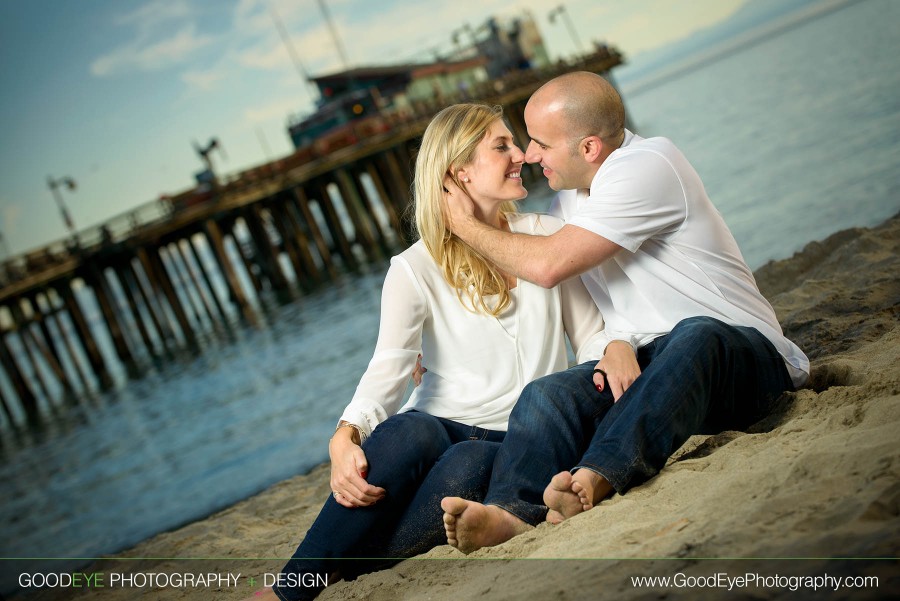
(458, 206)
(419, 371)
(349, 469)
(621, 367)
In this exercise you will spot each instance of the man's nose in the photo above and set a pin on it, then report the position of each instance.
(532, 152)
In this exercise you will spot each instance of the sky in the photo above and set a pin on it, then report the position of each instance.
(113, 93)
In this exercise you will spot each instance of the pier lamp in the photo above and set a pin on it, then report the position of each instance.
(465, 28)
(561, 11)
(4, 248)
(54, 185)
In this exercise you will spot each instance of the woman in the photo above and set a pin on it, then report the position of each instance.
(484, 336)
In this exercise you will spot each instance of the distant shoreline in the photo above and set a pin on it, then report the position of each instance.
(655, 76)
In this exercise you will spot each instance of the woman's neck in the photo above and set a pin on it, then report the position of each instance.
(487, 211)
(493, 218)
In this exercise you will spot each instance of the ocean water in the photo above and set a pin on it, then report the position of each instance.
(796, 135)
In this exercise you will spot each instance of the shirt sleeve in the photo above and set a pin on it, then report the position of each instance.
(556, 209)
(403, 311)
(582, 320)
(634, 198)
(602, 339)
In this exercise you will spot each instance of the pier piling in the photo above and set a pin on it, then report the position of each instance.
(95, 358)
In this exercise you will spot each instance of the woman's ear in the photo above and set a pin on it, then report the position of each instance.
(462, 176)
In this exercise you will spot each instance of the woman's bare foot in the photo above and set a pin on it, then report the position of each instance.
(471, 526)
(562, 501)
(266, 594)
(590, 487)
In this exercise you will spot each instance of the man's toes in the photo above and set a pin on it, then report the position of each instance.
(555, 517)
(453, 506)
(561, 481)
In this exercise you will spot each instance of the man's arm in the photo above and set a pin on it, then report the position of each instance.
(542, 260)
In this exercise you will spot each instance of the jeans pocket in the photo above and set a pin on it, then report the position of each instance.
(478, 433)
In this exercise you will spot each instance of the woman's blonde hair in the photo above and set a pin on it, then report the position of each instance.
(448, 144)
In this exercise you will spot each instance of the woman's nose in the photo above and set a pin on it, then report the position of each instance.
(518, 156)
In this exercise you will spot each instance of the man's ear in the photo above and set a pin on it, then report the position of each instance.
(591, 148)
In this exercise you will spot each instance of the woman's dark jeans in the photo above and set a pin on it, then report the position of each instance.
(418, 459)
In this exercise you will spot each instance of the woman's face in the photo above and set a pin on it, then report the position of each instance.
(495, 175)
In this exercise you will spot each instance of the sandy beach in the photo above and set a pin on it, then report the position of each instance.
(812, 489)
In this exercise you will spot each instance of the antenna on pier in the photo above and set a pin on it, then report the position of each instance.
(292, 52)
(334, 35)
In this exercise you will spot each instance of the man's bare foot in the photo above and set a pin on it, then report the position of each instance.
(266, 594)
(590, 487)
(562, 501)
(470, 525)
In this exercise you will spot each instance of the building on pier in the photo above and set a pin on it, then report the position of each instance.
(363, 101)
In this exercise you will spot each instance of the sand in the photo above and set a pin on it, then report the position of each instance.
(812, 489)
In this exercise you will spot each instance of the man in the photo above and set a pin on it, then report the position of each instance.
(668, 277)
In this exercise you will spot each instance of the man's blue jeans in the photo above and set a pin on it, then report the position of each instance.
(704, 376)
(418, 459)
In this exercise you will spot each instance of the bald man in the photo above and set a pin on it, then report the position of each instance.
(665, 271)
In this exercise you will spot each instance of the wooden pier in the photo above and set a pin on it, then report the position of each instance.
(164, 278)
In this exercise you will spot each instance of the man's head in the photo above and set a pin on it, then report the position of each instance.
(574, 121)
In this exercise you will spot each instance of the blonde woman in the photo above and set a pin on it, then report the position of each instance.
(484, 336)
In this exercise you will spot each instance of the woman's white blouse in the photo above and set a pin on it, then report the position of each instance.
(477, 364)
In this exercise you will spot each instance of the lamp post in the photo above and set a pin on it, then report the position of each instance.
(454, 35)
(54, 185)
(4, 248)
(561, 10)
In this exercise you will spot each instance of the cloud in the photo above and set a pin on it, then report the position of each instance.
(314, 47)
(264, 55)
(153, 13)
(151, 56)
(203, 81)
(250, 42)
(252, 17)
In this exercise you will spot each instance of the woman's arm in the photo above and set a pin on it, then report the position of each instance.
(582, 320)
(584, 328)
(381, 389)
